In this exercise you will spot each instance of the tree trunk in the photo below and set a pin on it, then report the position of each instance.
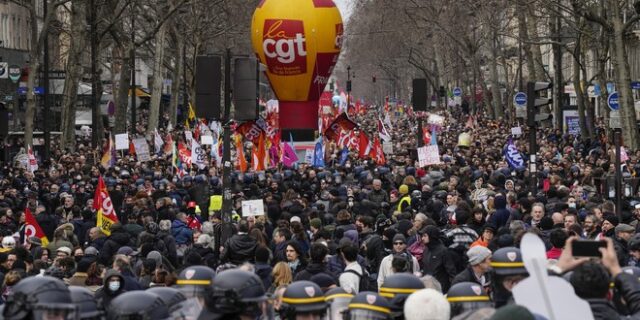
(495, 84)
(623, 79)
(532, 27)
(176, 83)
(156, 86)
(577, 85)
(524, 38)
(123, 93)
(30, 111)
(74, 73)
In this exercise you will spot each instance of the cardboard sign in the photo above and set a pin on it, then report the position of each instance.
(206, 140)
(252, 208)
(122, 141)
(436, 119)
(516, 131)
(142, 149)
(428, 155)
(188, 135)
(308, 156)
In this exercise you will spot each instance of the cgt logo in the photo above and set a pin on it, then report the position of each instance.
(284, 46)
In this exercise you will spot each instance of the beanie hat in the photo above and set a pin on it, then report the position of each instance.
(612, 219)
(399, 237)
(316, 223)
(513, 311)
(404, 189)
(478, 254)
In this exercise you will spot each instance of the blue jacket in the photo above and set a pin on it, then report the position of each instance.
(181, 232)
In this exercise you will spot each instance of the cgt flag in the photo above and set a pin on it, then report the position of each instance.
(105, 213)
(342, 122)
(32, 228)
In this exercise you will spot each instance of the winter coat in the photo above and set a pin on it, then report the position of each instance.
(313, 269)
(374, 252)
(629, 289)
(170, 245)
(622, 251)
(181, 232)
(502, 214)
(239, 249)
(103, 295)
(467, 275)
(118, 238)
(436, 261)
(263, 270)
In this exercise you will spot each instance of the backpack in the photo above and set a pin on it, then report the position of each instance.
(366, 283)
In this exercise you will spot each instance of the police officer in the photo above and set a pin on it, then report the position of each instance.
(368, 305)
(508, 270)
(338, 300)
(303, 299)
(170, 296)
(39, 298)
(195, 280)
(138, 304)
(236, 294)
(467, 296)
(87, 305)
(396, 288)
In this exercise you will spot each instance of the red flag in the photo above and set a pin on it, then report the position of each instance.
(184, 154)
(426, 136)
(259, 155)
(32, 228)
(364, 146)
(106, 214)
(376, 152)
(132, 148)
(242, 161)
(342, 122)
(250, 131)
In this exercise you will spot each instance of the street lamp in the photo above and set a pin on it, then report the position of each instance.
(348, 86)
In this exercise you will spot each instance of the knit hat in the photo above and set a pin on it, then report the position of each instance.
(352, 235)
(612, 219)
(295, 219)
(478, 254)
(90, 251)
(404, 189)
(316, 223)
(399, 237)
(66, 250)
(426, 304)
(126, 250)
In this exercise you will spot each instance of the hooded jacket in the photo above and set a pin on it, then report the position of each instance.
(502, 214)
(181, 232)
(104, 295)
(239, 249)
(118, 238)
(435, 259)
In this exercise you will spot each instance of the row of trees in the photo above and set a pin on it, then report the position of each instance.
(479, 45)
(103, 35)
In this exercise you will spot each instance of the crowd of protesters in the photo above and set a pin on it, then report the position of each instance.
(351, 224)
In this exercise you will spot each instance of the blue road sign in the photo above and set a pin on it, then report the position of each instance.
(520, 99)
(457, 92)
(612, 101)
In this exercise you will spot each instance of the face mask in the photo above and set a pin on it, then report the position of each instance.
(114, 285)
(78, 258)
(572, 205)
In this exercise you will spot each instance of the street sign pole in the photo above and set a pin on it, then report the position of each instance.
(533, 181)
(617, 136)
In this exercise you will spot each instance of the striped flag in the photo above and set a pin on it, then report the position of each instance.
(109, 155)
(32, 228)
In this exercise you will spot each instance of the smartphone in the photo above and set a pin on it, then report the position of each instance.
(587, 248)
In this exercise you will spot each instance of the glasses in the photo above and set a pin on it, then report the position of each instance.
(398, 243)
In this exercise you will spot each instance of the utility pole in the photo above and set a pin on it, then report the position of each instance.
(348, 87)
(132, 92)
(185, 98)
(46, 112)
(226, 142)
(557, 77)
(95, 139)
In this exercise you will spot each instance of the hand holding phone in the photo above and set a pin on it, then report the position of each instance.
(587, 248)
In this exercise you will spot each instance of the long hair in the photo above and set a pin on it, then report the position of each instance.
(282, 275)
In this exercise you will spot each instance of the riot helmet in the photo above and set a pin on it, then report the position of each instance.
(466, 296)
(397, 287)
(40, 298)
(87, 305)
(237, 292)
(137, 305)
(303, 298)
(170, 296)
(195, 280)
(368, 305)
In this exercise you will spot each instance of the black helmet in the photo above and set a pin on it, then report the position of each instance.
(87, 306)
(397, 287)
(170, 296)
(302, 297)
(195, 280)
(465, 296)
(236, 292)
(508, 261)
(338, 300)
(369, 305)
(35, 297)
(139, 305)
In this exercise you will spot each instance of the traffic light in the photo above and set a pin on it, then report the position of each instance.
(245, 88)
(537, 97)
(208, 83)
(419, 96)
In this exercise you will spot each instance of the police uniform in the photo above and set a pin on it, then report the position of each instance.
(302, 297)
(505, 262)
(396, 288)
(369, 305)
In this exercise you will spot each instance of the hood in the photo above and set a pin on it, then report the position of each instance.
(500, 202)
(178, 224)
(244, 242)
(120, 237)
(110, 273)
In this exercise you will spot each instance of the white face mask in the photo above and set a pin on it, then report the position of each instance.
(114, 285)
(572, 205)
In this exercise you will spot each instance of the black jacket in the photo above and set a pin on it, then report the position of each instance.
(118, 238)
(437, 262)
(622, 251)
(467, 275)
(239, 248)
(374, 252)
(629, 289)
(48, 223)
(313, 269)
